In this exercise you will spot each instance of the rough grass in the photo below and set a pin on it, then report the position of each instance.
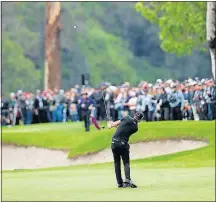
(71, 137)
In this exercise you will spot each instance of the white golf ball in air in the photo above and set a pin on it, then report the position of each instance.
(75, 26)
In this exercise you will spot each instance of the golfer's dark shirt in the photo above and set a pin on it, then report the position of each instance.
(126, 128)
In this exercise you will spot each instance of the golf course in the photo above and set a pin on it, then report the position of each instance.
(171, 161)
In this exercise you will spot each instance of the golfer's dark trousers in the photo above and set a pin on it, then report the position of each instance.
(86, 118)
(121, 150)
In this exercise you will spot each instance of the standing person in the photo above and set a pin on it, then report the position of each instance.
(209, 95)
(5, 111)
(99, 96)
(39, 115)
(59, 101)
(126, 98)
(29, 108)
(120, 147)
(13, 110)
(164, 105)
(21, 105)
(176, 101)
(72, 107)
(144, 104)
(109, 99)
(86, 105)
(119, 103)
(132, 103)
(196, 103)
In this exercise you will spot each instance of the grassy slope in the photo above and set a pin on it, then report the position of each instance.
(72, 137)
(158, 178)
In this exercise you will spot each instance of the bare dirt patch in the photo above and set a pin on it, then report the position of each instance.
(14, 157)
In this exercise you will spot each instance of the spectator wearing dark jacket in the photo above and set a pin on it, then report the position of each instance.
(164, 105)
(39, 114)
(86, 104)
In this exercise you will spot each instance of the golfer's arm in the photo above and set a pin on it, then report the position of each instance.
(115, 124)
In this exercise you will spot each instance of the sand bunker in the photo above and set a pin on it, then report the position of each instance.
(31, 157)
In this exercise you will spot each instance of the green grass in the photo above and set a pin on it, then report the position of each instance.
(188, 175)
(91, 184)
(72, 137)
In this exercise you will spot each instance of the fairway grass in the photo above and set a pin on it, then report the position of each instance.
(92, 184)
(184, 176)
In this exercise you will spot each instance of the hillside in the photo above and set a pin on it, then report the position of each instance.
(112, 42)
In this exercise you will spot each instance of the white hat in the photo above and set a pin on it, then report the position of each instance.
(190, 80)
(19, 92)
(169, 81)
(150, 85)
(172, 85)
(12, 94)
(158, 81)
(112, 88)
(203, 80)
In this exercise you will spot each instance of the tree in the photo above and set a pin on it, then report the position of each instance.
(182, 24)
(17, 71)
(211, 32)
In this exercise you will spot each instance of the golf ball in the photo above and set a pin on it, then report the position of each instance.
(75, 26)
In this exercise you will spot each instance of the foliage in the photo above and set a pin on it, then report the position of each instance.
(182, 24)
(112, 42)
(18, 67)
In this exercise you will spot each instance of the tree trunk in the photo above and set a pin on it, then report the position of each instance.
(211, 33)
(52, 71)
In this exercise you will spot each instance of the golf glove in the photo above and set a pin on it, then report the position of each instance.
(109, 124)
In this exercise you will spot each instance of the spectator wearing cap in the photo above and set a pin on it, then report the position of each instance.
(86, 105)
(176, 101)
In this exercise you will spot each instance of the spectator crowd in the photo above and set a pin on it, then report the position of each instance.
(192, 99)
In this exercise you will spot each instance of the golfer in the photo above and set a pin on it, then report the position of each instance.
(120, 147)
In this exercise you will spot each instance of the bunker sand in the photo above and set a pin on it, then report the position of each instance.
(14, 157)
